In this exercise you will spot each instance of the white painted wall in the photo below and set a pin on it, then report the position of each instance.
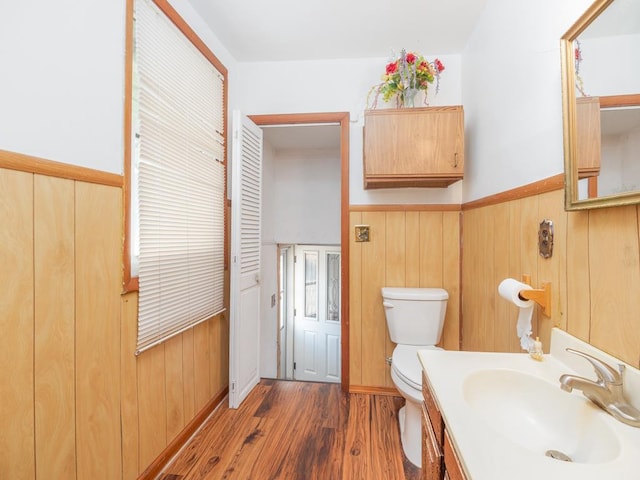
(306, 197)
(339, 86)
(269, 270)
(63, 87)
(62, 82)
(604, 73)
(620, 171)
(512, 94)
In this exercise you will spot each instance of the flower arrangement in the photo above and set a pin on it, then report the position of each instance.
(405, 76)
(577, 53)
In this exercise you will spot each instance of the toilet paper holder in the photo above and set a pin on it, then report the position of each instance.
(542, 296)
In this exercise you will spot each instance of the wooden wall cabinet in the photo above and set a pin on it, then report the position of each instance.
(589, 136)
(439, 458)
(413, 147)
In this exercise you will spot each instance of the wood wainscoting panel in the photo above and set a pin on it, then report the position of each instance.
(407, 248)
(174, 386)
(593, 271)
(431, 249)
(451, 279)
(477, 273)
(76, 402)
(412, 250)
(526, 224)
(218, 339)
(578, 278)
(17, 455)
(202, 366)
(553, 269)
(98, 241)
(189, 394)
(615, 277)
(395, 269)
(504, 339)
(152, 404)
(129, 386)
(501, 241)
(395, 250)
(515, 271)
(54, 327)
(355, 302)
(374, 327)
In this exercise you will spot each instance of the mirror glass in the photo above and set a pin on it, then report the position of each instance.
(601, 105)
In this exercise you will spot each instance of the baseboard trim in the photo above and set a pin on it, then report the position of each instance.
(155, 468)
(390, 391)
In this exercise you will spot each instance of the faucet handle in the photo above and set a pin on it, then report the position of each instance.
(605, 373)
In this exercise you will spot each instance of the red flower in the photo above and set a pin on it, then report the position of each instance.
(392, 68)
(438, 64)
(410, 58)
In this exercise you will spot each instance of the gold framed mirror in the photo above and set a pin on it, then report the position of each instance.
(601, 106)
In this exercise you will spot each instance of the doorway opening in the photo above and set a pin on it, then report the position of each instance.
(281, 249)
(309, 313)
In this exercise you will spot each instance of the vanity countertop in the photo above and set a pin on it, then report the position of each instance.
(603, 447)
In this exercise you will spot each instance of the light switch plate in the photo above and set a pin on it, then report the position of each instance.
(362, 233)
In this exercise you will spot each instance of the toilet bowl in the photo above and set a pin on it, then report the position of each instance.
(406, 373)
(415, 318)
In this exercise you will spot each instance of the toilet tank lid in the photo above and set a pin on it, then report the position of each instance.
(401, 293)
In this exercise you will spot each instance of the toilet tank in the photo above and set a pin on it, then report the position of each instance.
(415, 316)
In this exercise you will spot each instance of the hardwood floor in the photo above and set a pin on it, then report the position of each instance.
(298, 431)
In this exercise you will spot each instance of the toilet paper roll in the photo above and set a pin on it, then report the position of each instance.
(509, 289)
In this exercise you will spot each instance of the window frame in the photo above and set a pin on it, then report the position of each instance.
(131, 283)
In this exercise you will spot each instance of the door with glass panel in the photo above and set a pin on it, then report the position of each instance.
(317, 319)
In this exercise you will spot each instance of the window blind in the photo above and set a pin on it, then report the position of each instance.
(179, 160)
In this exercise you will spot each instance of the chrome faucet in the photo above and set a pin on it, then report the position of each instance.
(606, 392)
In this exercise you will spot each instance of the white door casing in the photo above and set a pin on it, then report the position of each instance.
(246, 200)
(317, 319)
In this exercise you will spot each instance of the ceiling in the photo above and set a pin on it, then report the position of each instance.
(291, 30)
(286, 30)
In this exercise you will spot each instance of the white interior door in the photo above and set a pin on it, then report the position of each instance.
(317, 313)
(244, 331)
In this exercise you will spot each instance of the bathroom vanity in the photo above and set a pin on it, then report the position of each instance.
(500, 416)
(439, 459)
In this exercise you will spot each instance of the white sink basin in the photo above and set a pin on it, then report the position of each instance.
(539, 416)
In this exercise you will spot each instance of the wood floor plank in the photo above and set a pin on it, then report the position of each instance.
(298, 431)
(207, 444)
(357, 452)
(385, 449)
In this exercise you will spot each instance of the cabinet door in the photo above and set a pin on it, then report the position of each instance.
(432, 410)
(589, 141)
(452, 464)
(432, 463)
(418, 142)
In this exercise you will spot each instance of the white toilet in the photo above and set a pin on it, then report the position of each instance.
(415, 317)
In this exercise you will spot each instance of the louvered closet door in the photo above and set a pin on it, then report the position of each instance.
(246, 199)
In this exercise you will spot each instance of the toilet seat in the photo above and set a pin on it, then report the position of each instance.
(406, 364)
